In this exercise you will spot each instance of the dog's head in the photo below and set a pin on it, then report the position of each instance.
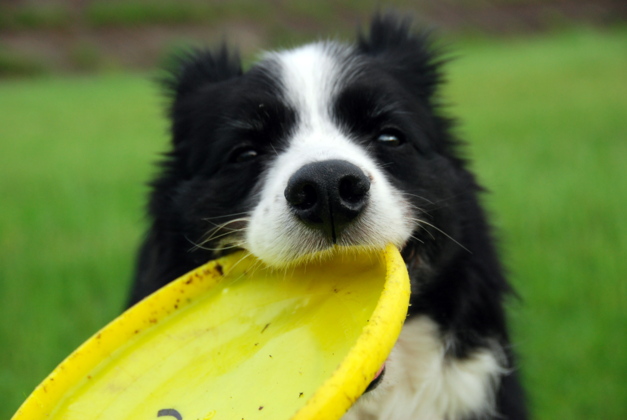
(320, 146)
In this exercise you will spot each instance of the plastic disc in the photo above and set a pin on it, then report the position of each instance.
(235, 339)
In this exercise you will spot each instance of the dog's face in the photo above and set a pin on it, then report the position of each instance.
(321, 146)
(326, 184)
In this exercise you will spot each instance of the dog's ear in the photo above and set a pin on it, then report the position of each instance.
(407, 55)
(191, 70)
(188, 75)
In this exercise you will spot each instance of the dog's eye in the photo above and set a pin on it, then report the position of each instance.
(243, 154)
(390, 138)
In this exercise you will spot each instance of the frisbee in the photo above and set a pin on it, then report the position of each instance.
(235, 339)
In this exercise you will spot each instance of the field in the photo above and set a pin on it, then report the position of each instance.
(546, 122)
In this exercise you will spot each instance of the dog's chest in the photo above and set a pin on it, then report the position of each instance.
(421, 383)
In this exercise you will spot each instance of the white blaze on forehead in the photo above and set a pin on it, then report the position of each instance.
(311, 78)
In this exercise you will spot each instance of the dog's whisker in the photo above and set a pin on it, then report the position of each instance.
(225, 224)
(195, 246)
(418, 239)
(224, 216)
(243, 257)
(214, 233)
(274, 150)
(443, 233)
(216, 249)
(420, 197)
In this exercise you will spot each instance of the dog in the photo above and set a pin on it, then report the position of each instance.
(334, 145)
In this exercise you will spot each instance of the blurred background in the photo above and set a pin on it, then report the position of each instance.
(539, 86)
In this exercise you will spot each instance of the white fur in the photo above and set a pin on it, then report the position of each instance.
(420, 382)
(311, 77)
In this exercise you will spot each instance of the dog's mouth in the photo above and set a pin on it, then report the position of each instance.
(377, 379)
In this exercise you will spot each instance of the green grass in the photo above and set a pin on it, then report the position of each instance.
(546, 119)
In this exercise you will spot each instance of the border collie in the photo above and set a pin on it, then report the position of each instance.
(343, 145)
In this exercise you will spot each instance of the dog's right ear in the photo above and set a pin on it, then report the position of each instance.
(190, 72)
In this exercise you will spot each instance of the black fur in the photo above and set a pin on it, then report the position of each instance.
(453, 263)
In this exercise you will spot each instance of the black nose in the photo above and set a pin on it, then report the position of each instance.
(328, 195)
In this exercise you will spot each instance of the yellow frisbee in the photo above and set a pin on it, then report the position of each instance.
(235, 339)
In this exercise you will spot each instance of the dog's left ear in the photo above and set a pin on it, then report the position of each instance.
(408, 56)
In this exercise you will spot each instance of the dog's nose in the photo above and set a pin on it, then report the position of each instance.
(328, 195)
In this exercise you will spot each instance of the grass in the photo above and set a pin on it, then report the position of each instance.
(546, 118)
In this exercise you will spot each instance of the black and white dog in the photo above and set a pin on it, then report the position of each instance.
(343, 145)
